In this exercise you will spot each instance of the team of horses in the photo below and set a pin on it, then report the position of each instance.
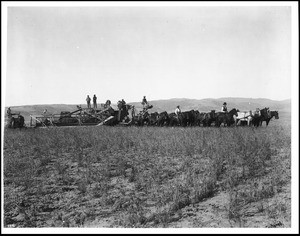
(195, 118)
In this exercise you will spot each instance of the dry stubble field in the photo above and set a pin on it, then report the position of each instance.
(148, 177)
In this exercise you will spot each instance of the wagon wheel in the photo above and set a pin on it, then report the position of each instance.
(79, 121)
(51, 121)
(12, 123)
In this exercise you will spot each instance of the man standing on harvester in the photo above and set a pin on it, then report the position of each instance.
(88, 101)
(94, 101)
(144, 102)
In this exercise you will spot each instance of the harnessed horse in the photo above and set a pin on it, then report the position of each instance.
(163, 119)
(225, 117)
(271, 115)
(265, 116)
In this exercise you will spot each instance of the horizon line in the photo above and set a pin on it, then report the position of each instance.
(49, 104)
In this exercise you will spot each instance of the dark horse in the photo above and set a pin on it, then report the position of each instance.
(143, 118)
(163, 119)
(269, 116)
(275, 114)
(225, 117)
(265, 115)
(173, 120)
(209, 118)
(153, 117)
(17, 122)
(187, 118)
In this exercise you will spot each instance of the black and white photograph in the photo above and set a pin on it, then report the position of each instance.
(149, 117)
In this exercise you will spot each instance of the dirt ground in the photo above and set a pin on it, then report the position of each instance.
(213, 213)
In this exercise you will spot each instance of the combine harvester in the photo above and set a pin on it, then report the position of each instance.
(84, 117)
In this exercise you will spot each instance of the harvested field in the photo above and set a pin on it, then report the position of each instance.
(148, 177)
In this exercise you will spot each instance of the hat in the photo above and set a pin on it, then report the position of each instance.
(224, 103)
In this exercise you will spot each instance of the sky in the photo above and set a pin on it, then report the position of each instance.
(59, 55)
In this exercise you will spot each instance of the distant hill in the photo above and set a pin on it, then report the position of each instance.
(208, 104)
(169, 105)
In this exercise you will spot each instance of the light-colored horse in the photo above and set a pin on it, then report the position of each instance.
(243, 116)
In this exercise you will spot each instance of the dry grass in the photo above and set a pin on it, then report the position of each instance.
(141, 176)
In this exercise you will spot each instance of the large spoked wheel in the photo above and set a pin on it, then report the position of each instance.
(12, 123)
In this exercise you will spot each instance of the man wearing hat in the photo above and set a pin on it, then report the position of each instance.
(224, 107)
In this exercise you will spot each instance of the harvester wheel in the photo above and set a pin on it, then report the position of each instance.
(12, 123)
